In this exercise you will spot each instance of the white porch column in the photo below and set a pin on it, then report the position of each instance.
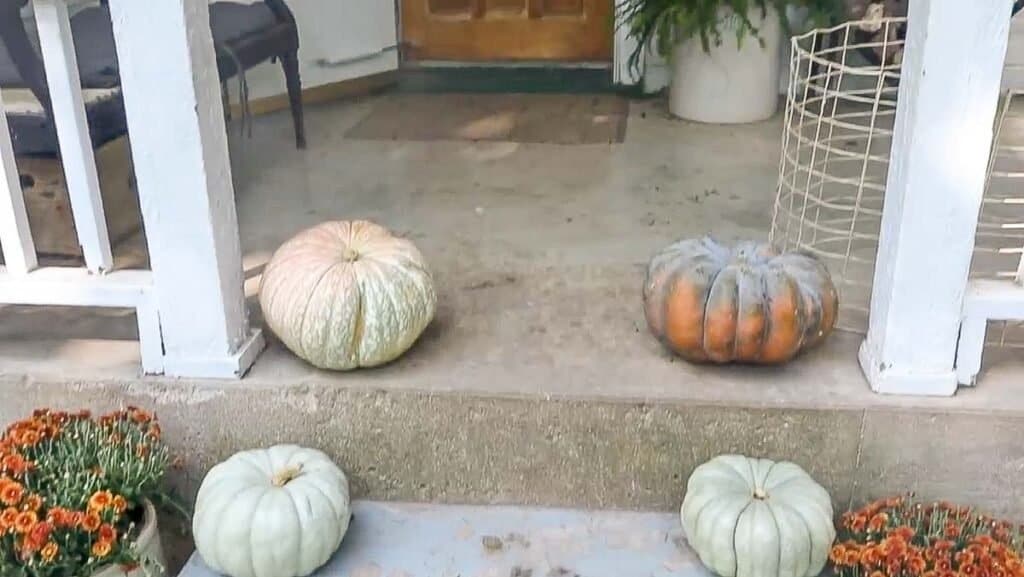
(947, 104)
(179, 147)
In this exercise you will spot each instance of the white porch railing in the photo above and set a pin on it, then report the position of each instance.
(191, 307)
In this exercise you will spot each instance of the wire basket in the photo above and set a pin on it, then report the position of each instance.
(840, 109)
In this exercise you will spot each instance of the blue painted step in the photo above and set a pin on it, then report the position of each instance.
(416, 540)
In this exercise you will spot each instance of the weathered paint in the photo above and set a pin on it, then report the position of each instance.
(15, 234)
(179, 148)
(76, 153)
(942, 137)
(399, 540)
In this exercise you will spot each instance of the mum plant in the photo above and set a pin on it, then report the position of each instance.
(898, 537)
(73, 491)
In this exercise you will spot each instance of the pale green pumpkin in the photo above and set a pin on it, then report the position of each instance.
(757, 518)
(344, 295)
(277, 512)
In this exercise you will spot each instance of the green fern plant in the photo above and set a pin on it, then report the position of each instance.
(669, 22)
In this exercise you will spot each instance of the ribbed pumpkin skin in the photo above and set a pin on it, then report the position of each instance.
(277, 512)
(757, 518)
(343, 295)
(712, 303)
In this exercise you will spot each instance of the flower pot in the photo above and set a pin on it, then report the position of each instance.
(150, 549)
(736, 82)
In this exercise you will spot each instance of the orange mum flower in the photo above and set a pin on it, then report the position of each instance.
(91, 522)
(39, 535)
(14, 464)
(100, 500)
(7, 519)
(916, 565)
(154, 431)
(139, 415)
(119, 504)
(32, 503)
(952, 530)
(107, 533)
(859, 523)
(56, 516)
(101, 549)
(49, 552)
(30, 438)
(25, 521)
(852, 557)
(905, 533)
(878, 522)
(837, 554)
(871, 556)
(11, 493)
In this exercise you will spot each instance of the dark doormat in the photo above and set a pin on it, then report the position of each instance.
(541, 118)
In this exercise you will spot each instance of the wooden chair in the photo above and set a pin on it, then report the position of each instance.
(244, 35)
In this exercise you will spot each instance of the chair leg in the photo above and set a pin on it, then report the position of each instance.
(290, 64)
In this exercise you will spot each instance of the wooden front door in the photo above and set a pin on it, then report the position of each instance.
(495, 30)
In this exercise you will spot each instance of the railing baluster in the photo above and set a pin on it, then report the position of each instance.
(72, 126)
(15, 235)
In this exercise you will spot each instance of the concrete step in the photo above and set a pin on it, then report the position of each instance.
(545, 426)
(416, 540)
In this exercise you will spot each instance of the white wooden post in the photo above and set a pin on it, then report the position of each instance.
(15, 235)
(76, 152)
(948, 97)
(176, 125)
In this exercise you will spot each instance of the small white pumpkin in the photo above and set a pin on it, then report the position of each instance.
(757, 518)
(277, 512)
(344, 295)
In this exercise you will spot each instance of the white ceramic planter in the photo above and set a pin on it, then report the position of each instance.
(735, 82)
(150, 548)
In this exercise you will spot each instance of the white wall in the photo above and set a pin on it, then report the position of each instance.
(339, 40)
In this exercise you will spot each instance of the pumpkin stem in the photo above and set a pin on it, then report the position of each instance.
(760, 494)
(350, 255)
(285, 476)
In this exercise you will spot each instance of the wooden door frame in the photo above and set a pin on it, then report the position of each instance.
(622, 47)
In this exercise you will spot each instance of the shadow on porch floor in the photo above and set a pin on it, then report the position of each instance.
(538, 251)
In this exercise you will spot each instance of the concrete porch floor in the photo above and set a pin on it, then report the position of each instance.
(538, 252)
(538, 382)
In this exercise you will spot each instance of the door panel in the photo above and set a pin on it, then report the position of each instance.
(562, 30)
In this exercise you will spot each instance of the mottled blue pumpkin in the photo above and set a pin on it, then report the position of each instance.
(748, 303)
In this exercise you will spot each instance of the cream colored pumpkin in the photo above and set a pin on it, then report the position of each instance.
(343, 295)
(757, 518)
(277, 512)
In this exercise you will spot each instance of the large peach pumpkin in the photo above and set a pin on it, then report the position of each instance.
(343, 295)
(748, 303)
